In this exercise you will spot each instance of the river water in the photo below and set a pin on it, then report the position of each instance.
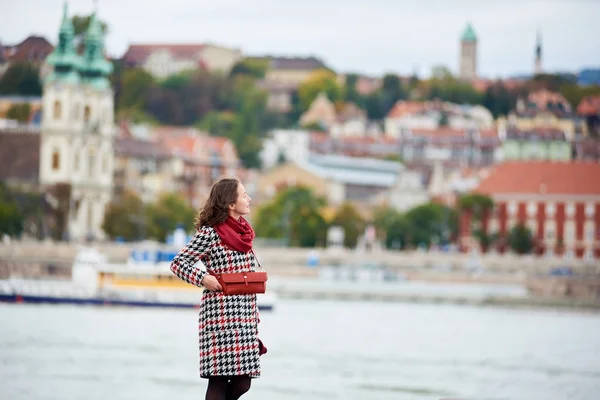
(317, 350)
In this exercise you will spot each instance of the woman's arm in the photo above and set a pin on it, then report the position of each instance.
(183, 265)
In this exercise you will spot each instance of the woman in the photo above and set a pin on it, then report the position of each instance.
(228, 325)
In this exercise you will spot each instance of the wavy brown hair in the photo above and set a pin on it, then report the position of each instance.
(216, 209)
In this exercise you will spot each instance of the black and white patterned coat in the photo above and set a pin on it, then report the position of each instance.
(228, 325)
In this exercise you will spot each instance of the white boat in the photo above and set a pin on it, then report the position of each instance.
(95, 281)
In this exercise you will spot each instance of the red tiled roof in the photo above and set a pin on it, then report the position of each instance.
(441, 131)
(543, 177)
(406, 107)
(589, 105)
(137, 53)
(33, 48)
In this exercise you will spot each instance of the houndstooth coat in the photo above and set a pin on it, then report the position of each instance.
(228, 325)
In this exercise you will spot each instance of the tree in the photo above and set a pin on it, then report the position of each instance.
(164, 216)
(499, 100)
(19, 112)
(124, 217)
(321, 80)
(391, 92)
(397, 232)
(253, 68)
(351, 221)
(293, 215)
(520, 239)
(479, 205)
(429, 223)
(135, 84)
(21, 78)
(81, 24)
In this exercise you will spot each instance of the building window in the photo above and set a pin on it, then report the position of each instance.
(512, 208)
(549, 231)
(590, 232)
(550, 209)
(55, 160)
(589, 254)
(570, 209)
(569, 255)
(57, 109)
(92, 158)
(90, 217)
(86, 114)
(589, 210)
(105, 164)
(531, 209)
(569, 231)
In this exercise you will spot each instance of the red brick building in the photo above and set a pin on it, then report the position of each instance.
(558, 201)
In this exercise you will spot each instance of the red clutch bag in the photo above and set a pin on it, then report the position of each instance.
(243, 282)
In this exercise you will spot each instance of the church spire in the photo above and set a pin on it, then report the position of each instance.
(96, 68)
(538, 53)
(64, 58)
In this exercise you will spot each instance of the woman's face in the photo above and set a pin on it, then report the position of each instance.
(241, 205)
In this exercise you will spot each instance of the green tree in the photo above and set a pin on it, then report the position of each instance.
(351, 221)
(21, 78)
(391, 91)
(478, 204)
(382, 220)
(135, 84)
(218, 123)
(520, 239)
(397, 233)
(498, 100)
(319, 81)
(452, 90)
(293, 215)
(19, 112)
(164, 216)
(80, 27)
(124, 217)
(11, 220)
(575, 93)
(255, 68)
(430, 223)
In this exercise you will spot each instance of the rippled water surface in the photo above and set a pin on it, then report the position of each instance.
(317, 350)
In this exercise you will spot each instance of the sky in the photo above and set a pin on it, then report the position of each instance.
(371, 37)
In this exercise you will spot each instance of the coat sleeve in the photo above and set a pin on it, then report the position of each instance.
(183, 265)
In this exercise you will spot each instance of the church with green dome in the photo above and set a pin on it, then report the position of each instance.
(77, 128)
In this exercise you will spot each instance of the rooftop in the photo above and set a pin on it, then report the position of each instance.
(543, 177)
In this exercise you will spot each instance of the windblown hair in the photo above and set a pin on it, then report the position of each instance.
(216, 209)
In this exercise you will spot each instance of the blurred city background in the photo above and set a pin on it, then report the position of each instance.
(425, 183)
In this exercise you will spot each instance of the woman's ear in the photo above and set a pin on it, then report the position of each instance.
(232, 206)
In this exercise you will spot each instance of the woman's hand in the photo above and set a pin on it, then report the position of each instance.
(211, 283)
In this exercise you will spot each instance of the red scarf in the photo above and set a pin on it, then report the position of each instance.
(236, 234)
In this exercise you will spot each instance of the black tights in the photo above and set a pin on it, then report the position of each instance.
(227, 387)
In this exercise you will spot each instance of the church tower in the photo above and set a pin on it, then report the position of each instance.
(78, 128)
(468, 54)
(538, 54)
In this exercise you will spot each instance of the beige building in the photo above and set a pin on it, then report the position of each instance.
(321, 111)
(283, 76)
(545, 109)
(366, 182)
(162, 60)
